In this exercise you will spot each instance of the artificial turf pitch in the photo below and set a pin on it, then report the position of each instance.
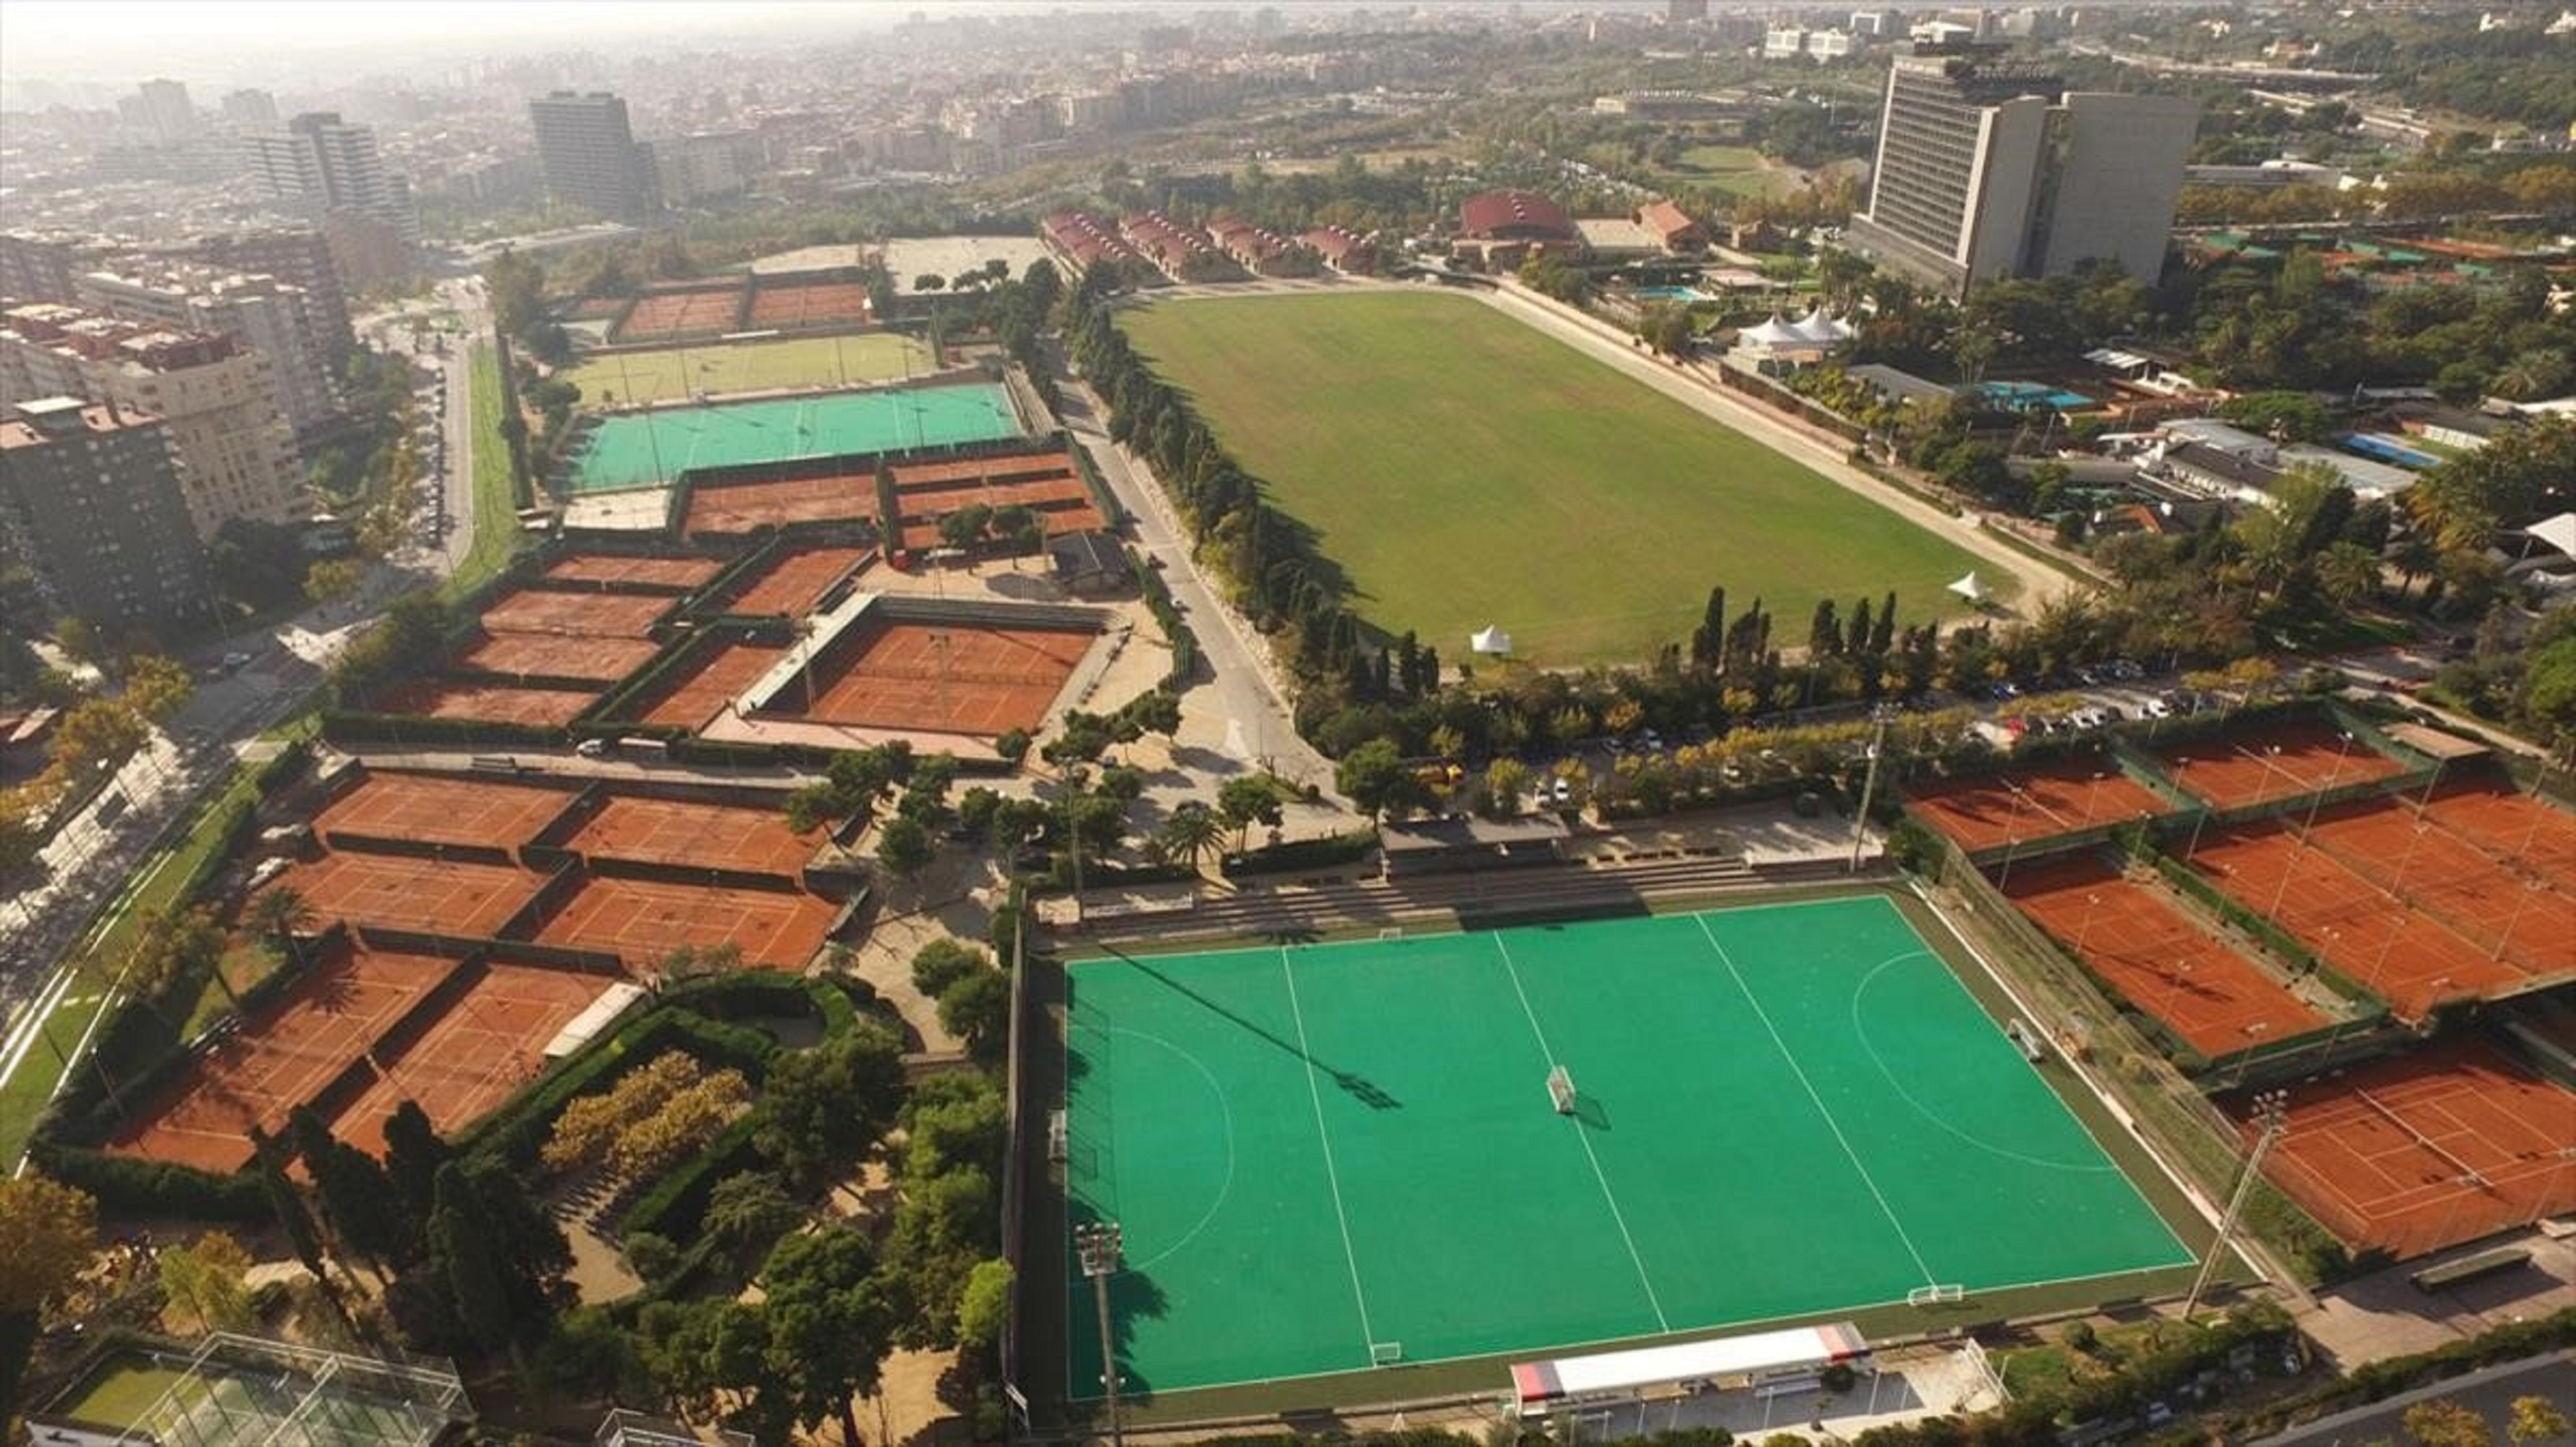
(1784, 1110)
(717, 368)
(1466, 469)
(648, 449)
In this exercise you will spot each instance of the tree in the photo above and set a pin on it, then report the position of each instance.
(204, 1282)
(977, 1010)
(904, 846)
(413, 1154)
(333, 580)
(281, 913)
(156, 686)
(749, 1208)
(942, 962)
(1506, 779)
(2536, 1419)
(985, 1309)
(356, 1197)
(2441, 1422)
(1191, 833)
(1246, 800)
(52, 1231)
(467, 1265)
(1013, 745)
(831, 1323)
(1374, 777)
(822, 1110)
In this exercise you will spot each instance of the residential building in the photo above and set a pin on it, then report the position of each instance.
(1673, 227)
(321, 165)
(219, 402)
(90, 502)
(298, 257)
(260, 313)
(162, 108)
(1343, 250)
(42, 268)
(590, 154)
(1685, 12)
(1987, 168)
(705, 167)
(250, 108)
(1500, 229)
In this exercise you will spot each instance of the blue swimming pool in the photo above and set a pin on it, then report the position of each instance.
(1682, 294)
(2030, 396)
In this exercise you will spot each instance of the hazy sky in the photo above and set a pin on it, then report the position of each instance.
(119, 40)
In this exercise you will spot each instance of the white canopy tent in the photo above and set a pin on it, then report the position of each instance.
(1540, 1386)
(1969, 588)
(1490, 640)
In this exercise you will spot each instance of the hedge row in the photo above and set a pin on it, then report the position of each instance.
(671, 1206)
(516, 1132)
(132, 1186)
(1293, 855)
(2378, 1381)
(1167, 616)
(360, 726)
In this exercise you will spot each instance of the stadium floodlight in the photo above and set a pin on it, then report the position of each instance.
(1100, 1245)
(2272, 1119)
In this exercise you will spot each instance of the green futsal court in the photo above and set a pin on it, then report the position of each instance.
(648, 449)
(1326, 1156)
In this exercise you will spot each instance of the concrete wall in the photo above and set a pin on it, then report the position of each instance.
(2118, 176)
(2004, 187)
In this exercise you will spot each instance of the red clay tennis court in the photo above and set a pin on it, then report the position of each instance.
(743, 507)
(2283, 761)
(948, 678)
(2217, 1000)
(278, 1061)
(643, 920)
(796, 578)
(585, 614)
(442, 809)
(2438, 871)
(451, 897)
(2042, 801)
(490, 1041)
(808, 304)
(2406, 956)
(2416, 1152)
(2512, 826)
(490, 702)
(680, 831)
(679, 313)
(678, 574)
(557, 655)
(719, 676)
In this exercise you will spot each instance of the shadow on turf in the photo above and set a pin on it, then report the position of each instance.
(1357, 1087)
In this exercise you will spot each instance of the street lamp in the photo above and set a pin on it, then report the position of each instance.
(2272, 1117)
(1099, 1245)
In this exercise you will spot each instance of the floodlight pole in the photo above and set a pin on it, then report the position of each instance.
(2272, 1114)
(1099, 1246)
(1869, 782)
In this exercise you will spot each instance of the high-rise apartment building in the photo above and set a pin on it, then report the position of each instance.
(1987, 167)
(249, 108)
(162, 108)
(302, 259)
(591, 156)
(260, 313)
(219, 402)
(90, 502)
(42, 268)
(321, 164)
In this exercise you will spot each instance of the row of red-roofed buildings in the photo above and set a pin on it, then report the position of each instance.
(1227, 249)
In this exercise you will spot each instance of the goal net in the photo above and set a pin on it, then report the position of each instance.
(1560, 1089)
(1385, 1353)
(1929, 1295)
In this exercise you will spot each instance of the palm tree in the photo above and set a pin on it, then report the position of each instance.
(1192, 833)
(282, 915)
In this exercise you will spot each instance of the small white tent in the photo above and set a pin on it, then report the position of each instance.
(1969, 588)
(1490, 640)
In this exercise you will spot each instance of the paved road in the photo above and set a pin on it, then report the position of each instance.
(2489, 1393)
(1246, 690)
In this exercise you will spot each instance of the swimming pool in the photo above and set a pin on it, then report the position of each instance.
(2030, 396)
(1682, 294)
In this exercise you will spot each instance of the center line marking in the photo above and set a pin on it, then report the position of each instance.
(1617, 1217)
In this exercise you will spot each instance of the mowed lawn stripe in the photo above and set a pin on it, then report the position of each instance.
(1465, 469)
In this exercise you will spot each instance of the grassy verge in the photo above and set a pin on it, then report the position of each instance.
(496, 517)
